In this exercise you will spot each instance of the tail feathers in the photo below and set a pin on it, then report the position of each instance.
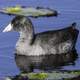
(74, 25)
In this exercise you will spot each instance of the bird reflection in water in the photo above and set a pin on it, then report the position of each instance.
(47, 62)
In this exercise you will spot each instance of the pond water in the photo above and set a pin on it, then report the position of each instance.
(69, 12)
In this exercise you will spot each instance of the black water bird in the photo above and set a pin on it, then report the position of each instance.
(42, 50)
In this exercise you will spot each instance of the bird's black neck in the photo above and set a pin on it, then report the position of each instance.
(26, 36)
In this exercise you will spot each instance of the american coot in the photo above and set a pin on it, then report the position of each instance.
(44, 49)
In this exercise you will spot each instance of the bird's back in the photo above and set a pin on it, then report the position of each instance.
(55, 41)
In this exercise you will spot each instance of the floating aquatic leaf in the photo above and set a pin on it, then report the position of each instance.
(13, 9)
(55, 75)
(29, 11)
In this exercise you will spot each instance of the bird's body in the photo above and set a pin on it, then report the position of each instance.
(44, 49)
(50, 42)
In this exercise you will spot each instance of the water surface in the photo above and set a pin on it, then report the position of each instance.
(69, 12)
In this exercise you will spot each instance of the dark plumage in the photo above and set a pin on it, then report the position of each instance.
(42, 50)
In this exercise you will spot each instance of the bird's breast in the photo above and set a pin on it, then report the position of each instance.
(28, 50)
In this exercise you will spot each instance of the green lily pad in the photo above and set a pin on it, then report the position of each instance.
(55, 75)
(13, 9)
(40, 76)
(29, 11)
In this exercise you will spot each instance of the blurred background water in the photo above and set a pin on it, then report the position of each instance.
(69, 12)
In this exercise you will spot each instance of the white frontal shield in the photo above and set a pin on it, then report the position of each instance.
(8, 28)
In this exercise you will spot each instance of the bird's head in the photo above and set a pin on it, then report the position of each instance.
(19, 24)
